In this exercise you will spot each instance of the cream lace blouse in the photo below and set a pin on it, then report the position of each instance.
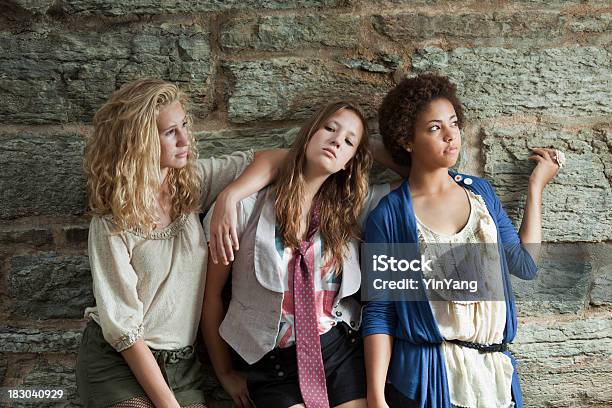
(475, 380)
(152, 287)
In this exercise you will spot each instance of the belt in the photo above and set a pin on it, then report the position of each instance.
(164, 357)
(482, 348)
(173, 356)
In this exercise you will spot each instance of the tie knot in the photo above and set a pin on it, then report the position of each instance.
(303, 248)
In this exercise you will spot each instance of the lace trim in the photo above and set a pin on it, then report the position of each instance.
(128, 339)
(169, 231)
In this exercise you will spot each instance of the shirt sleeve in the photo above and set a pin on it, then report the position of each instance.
(379, 317)
(244, 209)
(520, 262)
(218, 172)
(375, 193)
(120, 311)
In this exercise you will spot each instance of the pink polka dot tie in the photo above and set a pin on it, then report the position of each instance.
(311, 372)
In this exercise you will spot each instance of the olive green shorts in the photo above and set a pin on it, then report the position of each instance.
(104, 378)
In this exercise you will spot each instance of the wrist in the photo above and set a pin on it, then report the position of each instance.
(225, 372)
(229, 196)
(375, 398)
(535, 186)
(169, 401)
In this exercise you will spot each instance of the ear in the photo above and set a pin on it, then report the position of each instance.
(407, 145)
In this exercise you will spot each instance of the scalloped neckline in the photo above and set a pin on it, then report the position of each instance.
(166, 232)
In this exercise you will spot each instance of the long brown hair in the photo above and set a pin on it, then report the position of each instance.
(342, 195)
(122, 157)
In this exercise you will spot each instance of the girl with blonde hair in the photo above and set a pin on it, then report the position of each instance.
(292, 315)
(147, 250)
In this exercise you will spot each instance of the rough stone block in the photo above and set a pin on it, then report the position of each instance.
(49, 286)
(524, 28)
(576, 202)
(28, 340)
(479, 4)
(601, 292)
(76, 234)
(31, 6)
(557, 82)
(600, 23)
(562, 285)
(281, 33)
(565, 363)
(3, 365)
(52, 373)
(28, 235)
(293, 88)
(383, 62)
(51, 74)
(41, 174)
(114, 7)
(216, 143)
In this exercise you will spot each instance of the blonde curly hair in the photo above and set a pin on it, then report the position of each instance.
(122, 158)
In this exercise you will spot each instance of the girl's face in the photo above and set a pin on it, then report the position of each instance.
(173, 136)
(332, 146)
(437, 138)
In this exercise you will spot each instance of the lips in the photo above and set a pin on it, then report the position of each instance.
(183, 154)
(451, 150)
(330, 151)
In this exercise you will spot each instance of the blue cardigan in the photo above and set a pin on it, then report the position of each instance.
(417, 366)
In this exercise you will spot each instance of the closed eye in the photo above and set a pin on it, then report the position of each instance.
(349, 142)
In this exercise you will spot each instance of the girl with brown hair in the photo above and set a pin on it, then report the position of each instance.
(292, 315)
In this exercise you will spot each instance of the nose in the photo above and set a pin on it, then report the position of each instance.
(336, 140)
(182, 137)
(449, 135)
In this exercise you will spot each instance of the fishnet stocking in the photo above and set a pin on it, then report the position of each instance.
(144, 402)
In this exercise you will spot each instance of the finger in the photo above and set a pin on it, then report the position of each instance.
(221, 249)
(536, 158)
(244, 400)
(213, 249)
(234, 235)
(238, 401)
(219, 244)
(546, 153)
(228, 253)
(251, 400)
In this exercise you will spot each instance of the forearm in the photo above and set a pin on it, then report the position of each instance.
(531, 225)
(218, 350)
(382, 157)
(148, 374)
(261, 172)
(378, 348)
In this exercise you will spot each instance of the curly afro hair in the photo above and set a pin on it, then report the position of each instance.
(399, 109)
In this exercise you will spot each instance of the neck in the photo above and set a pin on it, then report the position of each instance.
(163, 186)
(313, 183)
(163, 173)
(429, 181)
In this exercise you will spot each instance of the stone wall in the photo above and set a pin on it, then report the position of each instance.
(531, 73)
